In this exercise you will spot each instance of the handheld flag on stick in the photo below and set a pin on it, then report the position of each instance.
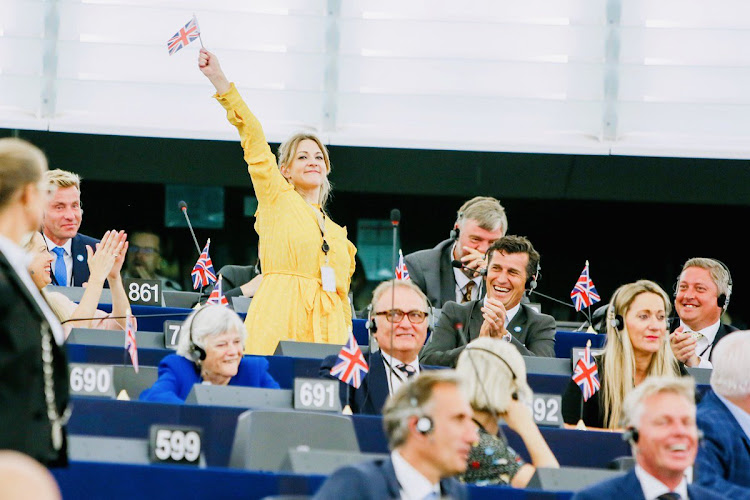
(130, 343)
(352, 366)
(203, 272)
(402, 273)
(217, 295)
(586, 374)
(184, 36)
(584, 293)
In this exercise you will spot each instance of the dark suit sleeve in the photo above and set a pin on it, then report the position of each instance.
(168, 386)
(714, 460)
(541, 338)
(416, 274)
(325, 372)
(446, 342)
(347, 482)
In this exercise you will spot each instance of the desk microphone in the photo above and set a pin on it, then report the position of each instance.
(183, 206)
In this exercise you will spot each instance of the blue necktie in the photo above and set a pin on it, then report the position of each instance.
(61, 272)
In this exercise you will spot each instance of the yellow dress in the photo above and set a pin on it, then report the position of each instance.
(290, 303)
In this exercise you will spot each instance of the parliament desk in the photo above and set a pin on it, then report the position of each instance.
(132, 419)
(120, 481)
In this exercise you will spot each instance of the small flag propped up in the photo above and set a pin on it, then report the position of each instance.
(584, 293)
(203, 272)
(187, 34)
(402, 273)
(130, 343)
(586, 373)
(217, 295)
(352, 367)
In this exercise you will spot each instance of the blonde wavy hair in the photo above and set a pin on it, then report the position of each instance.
(619, 376)
(53, 299)
(286, 152)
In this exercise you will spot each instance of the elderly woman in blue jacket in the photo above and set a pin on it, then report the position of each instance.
(209, 351)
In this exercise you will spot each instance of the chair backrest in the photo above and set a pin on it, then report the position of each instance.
(125, 377)
(263, 438)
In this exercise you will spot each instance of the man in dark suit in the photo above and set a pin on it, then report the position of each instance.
(702, 295)
(399, 318)
(33, 369)
(480, 222)
(659, 418)
(723, 461)
(430, 431)
(62, 220)
(513, 269)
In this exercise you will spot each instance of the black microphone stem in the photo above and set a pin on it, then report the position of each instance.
(552, 298)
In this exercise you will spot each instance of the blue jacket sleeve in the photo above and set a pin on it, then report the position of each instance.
(169, 386)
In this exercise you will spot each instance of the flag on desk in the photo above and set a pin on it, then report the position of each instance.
(351, 367)
(187, 34)
(584, 293)
(217, 295)
(586, 374)
(402, 273)
(203, 272)
(130, 344)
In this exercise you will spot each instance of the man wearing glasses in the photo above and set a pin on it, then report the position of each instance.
(144, 259)
(398, 321)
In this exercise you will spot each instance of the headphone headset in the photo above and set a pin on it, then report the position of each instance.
(514, 394)
(615, 320)
(631, 435)
(195, 352)
(424, 422)
(533, 280)
(723, 299)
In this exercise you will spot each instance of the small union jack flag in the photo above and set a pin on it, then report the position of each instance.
(351, 367)
(203, 272)
(402, 273)
(217, 295)
(189, 33)
(584, 293)
(130, 344)
(586, 374)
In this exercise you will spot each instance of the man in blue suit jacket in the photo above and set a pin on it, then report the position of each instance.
(723, 461)
(430, 432)
(397, 360)
(659, 418)
(62, 220)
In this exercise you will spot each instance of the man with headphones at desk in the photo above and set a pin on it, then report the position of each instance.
(430, 433)
(398, 318)
(702, 294)
(659, 417)
(448, 271)
(513, 269)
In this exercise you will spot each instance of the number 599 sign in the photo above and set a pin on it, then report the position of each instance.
(175, 444)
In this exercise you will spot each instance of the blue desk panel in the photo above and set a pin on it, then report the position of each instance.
(104, 417)
(120, 481)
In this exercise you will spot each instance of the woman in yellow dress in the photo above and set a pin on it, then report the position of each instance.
(306, 258)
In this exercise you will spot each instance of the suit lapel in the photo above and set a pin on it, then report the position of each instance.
(476, 319)
(389, 473)
(11, 273)
(75, 251)
(377, 386)
(631, 487)
(517, 326)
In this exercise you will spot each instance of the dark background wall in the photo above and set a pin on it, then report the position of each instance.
(631, 217)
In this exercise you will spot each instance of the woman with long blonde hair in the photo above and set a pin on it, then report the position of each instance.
(637, 347)
(306, 258)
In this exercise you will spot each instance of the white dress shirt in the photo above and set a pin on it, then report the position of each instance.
(19, 261)
(395, 378)
(703, 346)
(67, 257)
(414, 486)
(653, 488)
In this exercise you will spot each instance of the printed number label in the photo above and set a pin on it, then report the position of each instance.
(91, 380)
(175, 445)
(144, 292)
(316, 394)
(171, 333)
(546, 409)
